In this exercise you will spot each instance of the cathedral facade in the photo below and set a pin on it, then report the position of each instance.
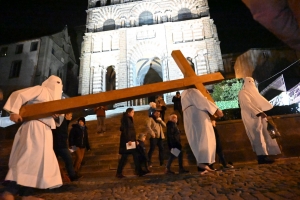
(129, 43)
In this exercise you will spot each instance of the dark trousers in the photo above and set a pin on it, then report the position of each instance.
(156, 142)
(219, 149)
(15, 189)
(162, 115)
(65, 154)
(172, 157)
(123, 161)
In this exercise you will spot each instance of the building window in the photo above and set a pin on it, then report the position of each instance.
(53, 51)
(145, 18)
(4, 51)
(15, 69)
(19, 48)
(109, 25)
(34, 46)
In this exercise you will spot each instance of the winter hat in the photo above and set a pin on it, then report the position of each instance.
(81, 119)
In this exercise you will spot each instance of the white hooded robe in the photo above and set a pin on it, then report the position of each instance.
(32, 161)
(198, 126)
(253, 103)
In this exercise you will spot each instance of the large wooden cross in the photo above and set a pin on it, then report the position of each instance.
(40, 110)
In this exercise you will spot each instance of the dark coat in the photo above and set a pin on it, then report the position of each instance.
(177, 103)
(127, 133)
(60, 135)
(141, 149)
(173, 135)
(79, 137)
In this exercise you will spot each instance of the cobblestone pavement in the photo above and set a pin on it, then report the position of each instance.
(279, 180)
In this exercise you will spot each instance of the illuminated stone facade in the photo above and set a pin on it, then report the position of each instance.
(129, 43)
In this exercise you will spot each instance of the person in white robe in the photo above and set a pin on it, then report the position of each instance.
(253, 105)
(198, 128)
(32, 162)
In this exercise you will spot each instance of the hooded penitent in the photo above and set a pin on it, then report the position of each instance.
(250, 87)
(32, 161)
(54, 86)
(252, 104)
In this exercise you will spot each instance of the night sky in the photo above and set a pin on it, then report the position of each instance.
(33, 18)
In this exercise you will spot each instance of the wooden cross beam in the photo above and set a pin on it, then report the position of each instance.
(40, 110)
(187, 71)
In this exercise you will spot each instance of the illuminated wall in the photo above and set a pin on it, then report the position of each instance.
(137, 37)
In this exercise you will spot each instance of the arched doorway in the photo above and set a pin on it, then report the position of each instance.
(149, 72)
(110, 81)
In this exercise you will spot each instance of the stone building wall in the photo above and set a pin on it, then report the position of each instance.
(134, 37)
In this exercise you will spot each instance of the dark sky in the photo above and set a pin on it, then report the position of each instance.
(33, 18)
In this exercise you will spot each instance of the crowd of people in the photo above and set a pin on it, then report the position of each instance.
(38, 143)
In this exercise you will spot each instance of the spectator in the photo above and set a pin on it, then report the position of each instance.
(60, 145)
(198, 128)
(155, 128)
(177, 103)
(173, 138)
(253, 105)
(151, 109)
(128, 137)
(32, 162)
(100, 112)
(79, 142)
(142, 152)
(161, 106)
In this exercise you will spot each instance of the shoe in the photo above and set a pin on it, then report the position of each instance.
(147, 171)
(183, 171)
(142, 173)
(120, 176)
(263, 159)
(167, 171)
(104, 132)
(212, 167)
(228, 166)
(76, 177)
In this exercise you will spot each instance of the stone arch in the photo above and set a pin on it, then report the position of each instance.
(107, 13)
(145, 6)
(177, 5)
(145, 18)
(144, 49)
(109, 25)
(184, 14)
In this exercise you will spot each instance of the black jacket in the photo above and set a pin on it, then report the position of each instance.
(127, 133)
(177, 103)
(173, 135)
(60, 135)
(79, 137)
(141, 149)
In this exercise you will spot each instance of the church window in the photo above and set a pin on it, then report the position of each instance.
(184, 13)
(146, 18)
(109, 25)
(15, 69)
